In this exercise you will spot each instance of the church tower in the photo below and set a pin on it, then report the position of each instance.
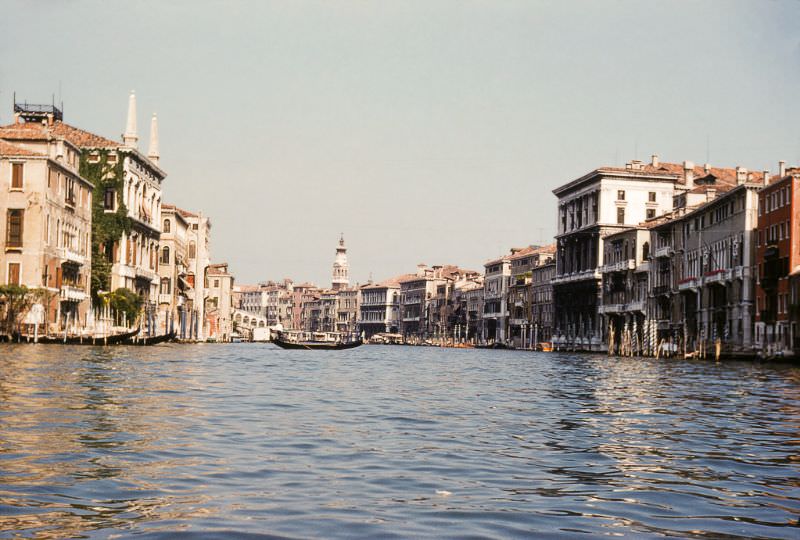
(341, 270)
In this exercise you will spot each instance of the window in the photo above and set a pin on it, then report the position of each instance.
(620, 215)
(109, 199)
(165, 286)
(16, 176)
(651, 196)
(192, 250)
(69, 191)
(13, 274)
(651, 213)
(165, 255)
(14, 228)
(621, 195)
(216, 283)
(166, 225)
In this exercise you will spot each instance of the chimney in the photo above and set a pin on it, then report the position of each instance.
(130, 138)
(50, 119)
(654, 160)
(16, 118)
(766, 177)
(741, 175)
(707, 168)
(688, 174)
(421, 269)
(152, 152)
(781, 169)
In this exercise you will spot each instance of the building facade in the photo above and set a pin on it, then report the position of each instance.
(47, 206)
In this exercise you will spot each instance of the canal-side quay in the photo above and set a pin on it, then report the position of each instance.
(247, 440)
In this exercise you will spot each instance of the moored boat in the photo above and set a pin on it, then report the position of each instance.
(111, 339)
(150, 340)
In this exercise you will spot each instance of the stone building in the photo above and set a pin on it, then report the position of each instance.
(219, 304)
(601, 202)
(198, 260)
(496, 279)
(175, 303)
(347, 308)
(701, 268)
(542, 300)
(47, 210)
(127, 187)
(472, 294)
(778, 259)
(625, 279)
(523, 332)
(379, 311)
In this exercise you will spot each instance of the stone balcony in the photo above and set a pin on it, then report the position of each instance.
(638, 305)
(643, 266)
(584, 275)
(72, 294)
(717, 276)
(621, 266)
(71, 256)
(663, 251)
(145, 273)
(164, 298)
(688, 284)
(610, 308)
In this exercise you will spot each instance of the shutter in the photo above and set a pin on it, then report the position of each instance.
(13, 273)
(58, 277)
(16, 175)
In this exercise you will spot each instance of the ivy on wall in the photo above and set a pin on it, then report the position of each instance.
(107, 226)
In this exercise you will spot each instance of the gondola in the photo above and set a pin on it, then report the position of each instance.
(285, 341)
(150, 340)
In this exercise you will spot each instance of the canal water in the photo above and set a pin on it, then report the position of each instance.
(249, 441)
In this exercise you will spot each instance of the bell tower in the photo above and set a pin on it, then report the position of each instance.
(341, 270)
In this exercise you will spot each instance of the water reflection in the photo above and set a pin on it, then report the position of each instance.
(381, 441)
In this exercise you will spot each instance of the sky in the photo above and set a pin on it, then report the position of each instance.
(426, 132)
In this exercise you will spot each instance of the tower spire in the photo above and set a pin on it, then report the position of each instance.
(152, 152)
(130, 138)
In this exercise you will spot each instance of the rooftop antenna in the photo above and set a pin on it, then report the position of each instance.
(708, 148)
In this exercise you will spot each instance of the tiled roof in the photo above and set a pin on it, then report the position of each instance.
(8, 149)
(391, 282)
(533, 250)
(725, 175)
(36, 131)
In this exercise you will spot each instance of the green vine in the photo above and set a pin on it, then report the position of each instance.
(107, 227)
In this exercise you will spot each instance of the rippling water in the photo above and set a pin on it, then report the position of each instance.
(249, 440)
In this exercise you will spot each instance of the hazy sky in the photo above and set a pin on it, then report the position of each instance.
(424, 131)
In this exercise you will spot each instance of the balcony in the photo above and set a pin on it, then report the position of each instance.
(716, 276)
(638, 305)
(164, 298)
(71, 256)
(643, 267)
(661, 289)
(687, 284)
(663, 251)
(70, 293)
(584, 275)
(621, 266)
(611, 308)
(145, 273)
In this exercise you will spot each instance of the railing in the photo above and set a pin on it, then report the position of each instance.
(662, 289)
(71, 256)
(71, 293)
(583, 275)
(687, 284)
(663, 251)
(164, 298)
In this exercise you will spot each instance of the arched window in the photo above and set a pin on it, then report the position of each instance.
(165, 255)
(165, 286)
(166, 225)
(192, 250)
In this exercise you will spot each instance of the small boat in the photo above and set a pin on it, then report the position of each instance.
(313, 341)
(112, 339)
(494, 345)
(150, 340)
(546, 346)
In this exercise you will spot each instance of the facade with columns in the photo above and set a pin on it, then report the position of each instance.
(604, 201)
